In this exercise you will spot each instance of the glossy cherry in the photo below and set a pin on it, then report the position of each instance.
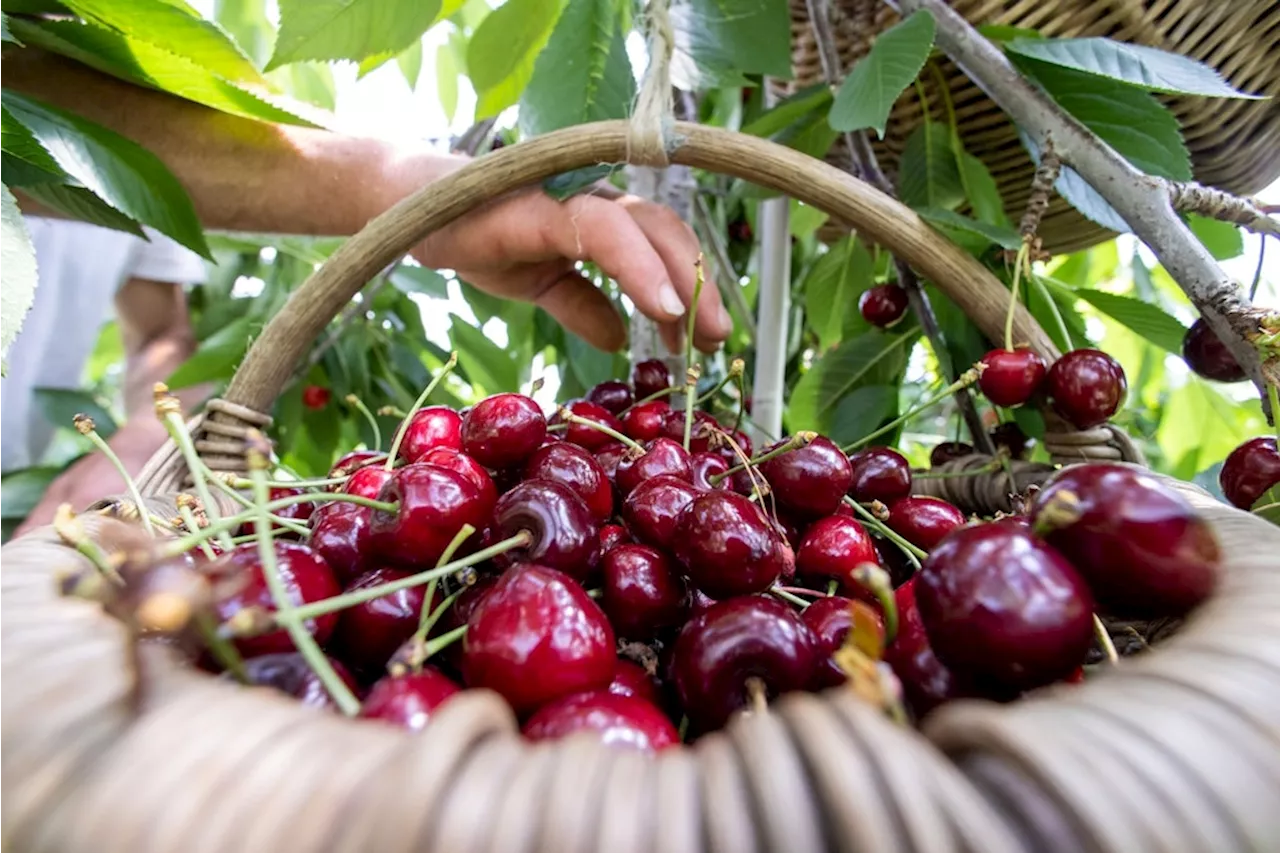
(369, 633)
(583, 435)
(1207, 356)
(703, 432)
(367, 482)
(644, 421)
(728, 546)
(306, 577)
(923, 521)
(653, 507)
(435, 503)
(354, 461)
(409, 700)
(574, 467)
(1142, 548)
(618, 721)
(631, 679)
(644, 594)
(1087, 387)
(537, 636)
(503, 430)
(612, 395)
(832, 549)
(431, 427)
(732, 642)
(1012, 376)
(926, 681)
(1249, 470)
(704, 466)
(948, 451)
(883, 305)
(611, 536)
(650, 377)
(879, 474)
(830, 619)
(566, 535)
(1002, 606)
(290, 673)
(720, 444)
(610, 457)
(662, 456)
(458, 614)
(809, 480)
(459, 462)
(338, 537)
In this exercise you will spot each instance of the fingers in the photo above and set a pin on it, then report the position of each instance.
(579, 306)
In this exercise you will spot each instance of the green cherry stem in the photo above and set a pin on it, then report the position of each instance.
(424, 618)
(358, 404)
(569, 417)
(736, 368)
(167, 408)
(1104, 640)
(656, 395)
(781, 592)
(1274, 397)
(445, 640)
(966, 379)
(193, 525)
(417, 404)
(801, 439)
(222, 649)
(876, 581)
(241, 483)
(914, 554)
(742, 401)
(1043, 291)
(691, 377)
(70, 531)
(86, 427)
(1018, 263)
(287, 523)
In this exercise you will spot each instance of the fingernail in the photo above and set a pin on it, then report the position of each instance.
(669, 300)
(725, 320)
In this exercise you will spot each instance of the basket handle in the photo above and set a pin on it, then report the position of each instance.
(287, 337)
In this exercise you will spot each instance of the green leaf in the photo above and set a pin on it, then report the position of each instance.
(447, 80)
(928, 175)
(980, 187)
(246, 22)
(869, 91)
(5, 35)
(61, 405)
(805, 220)
(874, 358)
(21, 490)
(308, 81)
(863, 411)
(966, 345)
(1004, 237)
(484, 305)
(1048, 301)
(1268, 505)
(1222, 239)
(582, 75)
(590, 365)
(407, 279)
(217, 357)
(349, 29)
(832, 288)
(1031, 420)
(119, 171)
(409, 62)
(1201, 425)
(502, 51)
(175, 30)
(1004, 32)
(18, 142)
(1140, 317)
(82, 205)
(486, 362)
(1079, 193)
(798, 107)
(18, 262)
(1132, 64)
(719, 41)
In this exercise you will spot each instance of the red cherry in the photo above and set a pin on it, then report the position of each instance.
(435, 503)
(1001, 606)
(354, 461)
(883, 305)
(618, 721)
(290, 673)
(429, 428)
(337, 537)
(408, 700)
(704, 466)
(1207, 356)
(894, 560)
(750, 637)
(923, 521)
(583, 435)
(460, 463)
(610, 457)
(503, 430)
(926, 681)
(644, 595)
(661, 456)
(830, 619)
(644, 421)
(1012, 376)
(611, 536)
(535, 637)
(315, 396)
(949, 450)
(1010, 437)
(721, 445)
(565, 534)
(703, 433)
(1142, 548)
(306, 578)
(574, 467)
(368, 634)
(652, 509)
(699, 603)
(833, 548)
(728, 546)
(1087, 386)
(879, 474)
(367, 482)
(612, 395)
(650, 377)
(1249, 470)
(631, 679)
(458, 614)
(809, 480)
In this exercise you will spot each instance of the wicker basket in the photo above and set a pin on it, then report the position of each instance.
(1177, 750)
(1234, 144)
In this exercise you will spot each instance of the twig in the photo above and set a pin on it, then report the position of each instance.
(1191, 197)
(725, 276)
(475, 137)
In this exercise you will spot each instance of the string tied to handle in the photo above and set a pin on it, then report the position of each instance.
(654, 113)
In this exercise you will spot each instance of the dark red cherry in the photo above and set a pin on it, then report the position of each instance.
(832, 549)
(503, 430)
(830, 619)
(565, 534)
(1142, 548)
(574, 467)
(653, 507)
(1002, 606)
(338, 537)
(611, 536)
(290, 673)
(883, 305)
(409, 700)
(1249, 470)
(610, 457)
(643, 422)
(720, 445)
(1207, 356)
(535, 637)
(809, 480)
(728, 546)
(704, 466)
(650, 377)
(354, 461)
(879, 474)
(662, 456)
(926, 681)
(369, 633)
(612, 395)
(306, 578)
(644, 595)
(1010, 437)
(948, 451)
(894, 560)
(699, 603)
(367, 482)
(316, 396)
(429, 428)
(733, 642)
(583, 435)
(1012, 376)
(631, 679)
(461, 463)
(923, 521)
(618, 721)
(435, 503)
(1087, 387)
(703, 433)
(458, 614)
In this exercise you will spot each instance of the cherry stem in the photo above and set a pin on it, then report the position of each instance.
(986, 468)
(445, 640)
(797, 441)
(358, 404)
(966, 379)
(756, 693)
(914, 554)
(800, 590)
(742, 401)
(1274, 397)
(691, 377)
(781, 592)
(193, 525)
(832, 586)
(1104, 640)
(595, 593)
(876, 581)
(86, 427)
(69, 531)
(222, 649)
(1018, 263)
(570, 418)
(280, 521)
(1048, 299)
(425, 620)
(560, 427)
(735, 373)
(392, 412)
(178, 432)
(690, 404)
(656, 395)
(417, 404)
(523, 539)
(234, 482)
(285, 614)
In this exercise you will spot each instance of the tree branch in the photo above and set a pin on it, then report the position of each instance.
(1191, 197)
(1143, 201)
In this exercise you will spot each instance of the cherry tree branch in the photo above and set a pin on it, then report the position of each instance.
(1143, 201)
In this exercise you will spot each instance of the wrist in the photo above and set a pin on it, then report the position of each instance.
(404, 171)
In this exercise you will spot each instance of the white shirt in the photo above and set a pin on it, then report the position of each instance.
(79, 267)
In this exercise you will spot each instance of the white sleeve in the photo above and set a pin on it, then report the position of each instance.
(163, 259)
